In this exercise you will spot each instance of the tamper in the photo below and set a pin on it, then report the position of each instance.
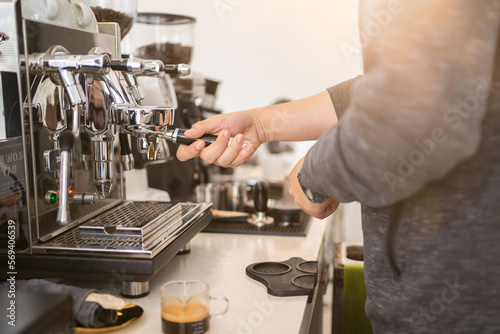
(260, 197)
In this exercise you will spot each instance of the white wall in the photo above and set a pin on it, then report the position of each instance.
(263, 50)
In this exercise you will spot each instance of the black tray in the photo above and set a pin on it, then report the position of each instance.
(239, 227)
(293, 277)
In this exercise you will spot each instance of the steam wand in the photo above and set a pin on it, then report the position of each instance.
(66, 140)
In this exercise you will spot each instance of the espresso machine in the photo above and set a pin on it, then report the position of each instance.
(68, 113)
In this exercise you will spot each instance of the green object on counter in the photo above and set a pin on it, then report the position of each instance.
(354, 319)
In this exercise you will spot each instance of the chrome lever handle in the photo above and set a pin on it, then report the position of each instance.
(66, 140)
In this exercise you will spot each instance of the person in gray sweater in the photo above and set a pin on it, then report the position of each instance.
(416, 140)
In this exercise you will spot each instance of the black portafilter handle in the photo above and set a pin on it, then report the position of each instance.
(180, 138)
(261, 196)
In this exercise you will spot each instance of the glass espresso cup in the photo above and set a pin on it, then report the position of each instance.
(185, 307)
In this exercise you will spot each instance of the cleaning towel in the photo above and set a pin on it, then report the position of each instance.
(85, 314)
(354, 319)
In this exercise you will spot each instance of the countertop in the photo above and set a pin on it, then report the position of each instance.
(220, 260)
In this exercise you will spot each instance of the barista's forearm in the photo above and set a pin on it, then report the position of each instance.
(305, 119)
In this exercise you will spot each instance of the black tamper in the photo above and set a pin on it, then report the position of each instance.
(260, 197)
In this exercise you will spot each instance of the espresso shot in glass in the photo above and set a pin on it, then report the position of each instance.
(185, 307)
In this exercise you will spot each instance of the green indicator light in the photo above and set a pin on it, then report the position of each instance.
(52, 198)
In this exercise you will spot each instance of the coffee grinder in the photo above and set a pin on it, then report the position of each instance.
(170, 38)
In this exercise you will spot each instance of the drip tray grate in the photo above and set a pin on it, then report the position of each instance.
(134, 220)
(133, 229)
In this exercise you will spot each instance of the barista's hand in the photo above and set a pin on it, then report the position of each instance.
(319, 211)
(239, 125)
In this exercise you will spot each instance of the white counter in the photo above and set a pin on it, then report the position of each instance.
(220, 260)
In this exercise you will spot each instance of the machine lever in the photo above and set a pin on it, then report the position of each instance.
(128, 65)
(180, 69)
(66, 140)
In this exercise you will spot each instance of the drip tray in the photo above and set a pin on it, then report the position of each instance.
(142, 222)
(235, 227)
(139, 229)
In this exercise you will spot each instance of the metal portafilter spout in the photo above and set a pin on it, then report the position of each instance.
(66, 140)
(142, 121)
(260, 198)
(103, 166)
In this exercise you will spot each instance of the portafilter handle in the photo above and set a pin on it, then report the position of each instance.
(177, 136)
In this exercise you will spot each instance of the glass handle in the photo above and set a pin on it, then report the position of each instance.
(226, 307)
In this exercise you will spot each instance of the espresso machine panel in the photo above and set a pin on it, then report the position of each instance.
(68, 111)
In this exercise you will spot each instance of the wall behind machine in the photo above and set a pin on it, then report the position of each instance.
(265, 50)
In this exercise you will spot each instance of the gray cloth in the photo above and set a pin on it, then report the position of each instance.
(86, 314)
(423, 132)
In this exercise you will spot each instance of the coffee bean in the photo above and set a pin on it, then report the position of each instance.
(109, 15)
(168, 53)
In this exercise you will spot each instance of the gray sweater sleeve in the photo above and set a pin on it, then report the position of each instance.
(417, 111)
(341, 95)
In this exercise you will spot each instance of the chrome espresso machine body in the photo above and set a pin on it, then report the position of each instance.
(68, 108)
